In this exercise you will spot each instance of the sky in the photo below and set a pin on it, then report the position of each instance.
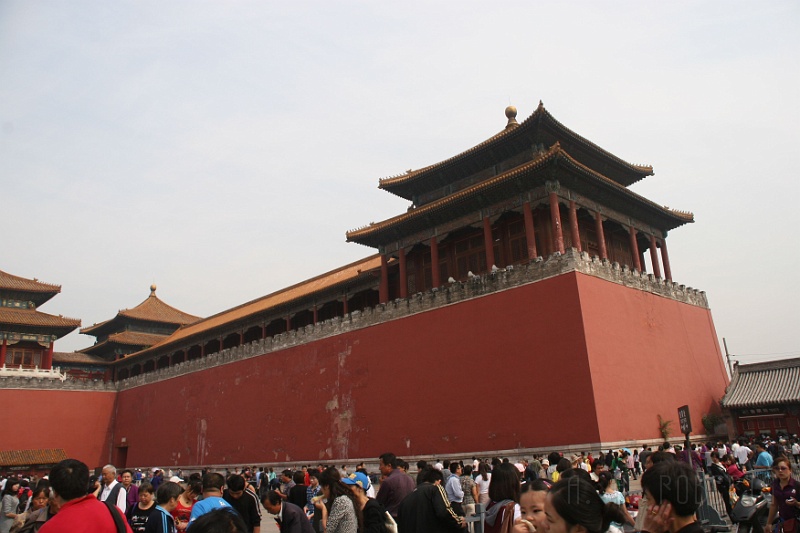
(222, 149)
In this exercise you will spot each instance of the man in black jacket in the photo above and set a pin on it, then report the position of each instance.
(427, 509)
(291, 518)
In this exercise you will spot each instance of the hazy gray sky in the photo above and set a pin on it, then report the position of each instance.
(223, 149)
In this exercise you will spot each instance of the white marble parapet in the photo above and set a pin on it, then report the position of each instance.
(32, 373)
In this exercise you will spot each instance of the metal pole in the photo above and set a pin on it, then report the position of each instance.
(727, 356)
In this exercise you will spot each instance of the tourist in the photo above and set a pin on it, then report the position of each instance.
(112, 490)
(470, 489)
(574, 502)
(131, 491)
(9, 504)
(796, 451)
(183, 510)
(312, 491)
(483, 480)
(764, 459)
(39, 499)
(785, 495)
(395, 485)
(609, 493)
(455, 494)
(298, 493)
(675, 494)
(372, 511)
(244, 501)
(732, 468)
(221, 521)
(79, 512)
(143, 509)
(213, 484)
(340, 513)
(531, 507)
(286, 484)
(290, 518)
(426, 509)
(722, 480)
(160, 520)
(504, 490)
(37, 517)
(743, 454)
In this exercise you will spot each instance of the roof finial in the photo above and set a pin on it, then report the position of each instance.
(511, 115)
(153, 289)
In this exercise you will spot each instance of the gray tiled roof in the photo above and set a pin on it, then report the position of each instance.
(761, 384)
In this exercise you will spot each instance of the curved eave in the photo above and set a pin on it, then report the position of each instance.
(28, 318)
(287, 297)
(514, 181)
(405, 184)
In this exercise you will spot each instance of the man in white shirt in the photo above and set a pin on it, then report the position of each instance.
(113, 491)
(742, 454)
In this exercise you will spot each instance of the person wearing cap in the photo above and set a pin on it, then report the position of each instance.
(374, 513)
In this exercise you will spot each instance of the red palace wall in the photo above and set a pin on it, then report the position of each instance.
(507, 370)
(77, 421)
(648, 357)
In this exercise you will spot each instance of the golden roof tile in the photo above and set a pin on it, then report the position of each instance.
(16, 283)
(31, 317)
(152, 309)
(32, 457)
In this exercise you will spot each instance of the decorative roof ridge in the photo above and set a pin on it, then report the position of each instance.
(539, 113)
(763, 366)
(37, 286)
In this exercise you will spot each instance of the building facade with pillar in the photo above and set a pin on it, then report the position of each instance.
(27, 335)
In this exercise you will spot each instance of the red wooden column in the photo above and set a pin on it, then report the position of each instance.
(530, 235)
(48, 359)
(601, 236)
(315, 314)
(488, 243)
(434, 262)
(555, 219)
(263, 332)
(288, 323)
(573, 226)
(344, 304)
(383, 289)
(3, 352)
(665, 258)
(403, 273)
(654, 257)
(635, 250)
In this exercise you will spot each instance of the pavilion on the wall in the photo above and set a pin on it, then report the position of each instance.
(135, 329)
(28, 335)
(534, 189)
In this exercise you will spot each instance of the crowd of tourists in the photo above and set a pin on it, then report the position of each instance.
(550, 494)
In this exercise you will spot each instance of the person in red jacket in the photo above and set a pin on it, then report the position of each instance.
(80, 512)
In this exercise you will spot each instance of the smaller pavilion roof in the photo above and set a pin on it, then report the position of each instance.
(126, 338)
(11, 316)
(764, 384)
(74, 358)
(39, 292)
(46, 456)
(265, 303)
(153, 309)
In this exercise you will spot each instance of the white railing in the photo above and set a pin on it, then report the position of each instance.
(19, 372)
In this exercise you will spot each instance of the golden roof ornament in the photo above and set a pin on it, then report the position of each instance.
(511, 115)
(153, 289)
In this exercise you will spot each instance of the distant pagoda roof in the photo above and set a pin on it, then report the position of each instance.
(31, 320)
(554, 162)
(31, 289)
(541, 127)
(324, 282)
(77, 358)
(153, 309)
(47, 456)
(135, 339)
(764, 384)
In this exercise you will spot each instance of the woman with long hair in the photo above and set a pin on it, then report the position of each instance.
(575, 502)
(8, 505)
(483, 479)
(340, 513)
(609, 493)
(183, 511)
(504, 490)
